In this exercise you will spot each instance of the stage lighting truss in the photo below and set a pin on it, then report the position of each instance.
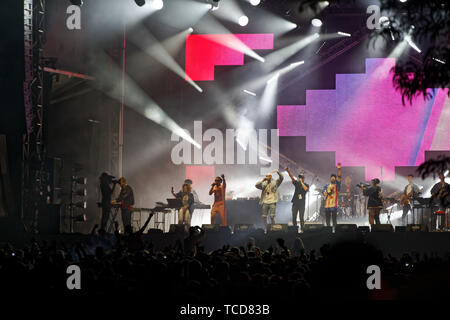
(214, 4)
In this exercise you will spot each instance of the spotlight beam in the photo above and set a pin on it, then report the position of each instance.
(276, 58)
(143, 39)
(136, 98)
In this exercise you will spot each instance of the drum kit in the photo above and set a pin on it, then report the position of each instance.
(350, 205)
(346, 201)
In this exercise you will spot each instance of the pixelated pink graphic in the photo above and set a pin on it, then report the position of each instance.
(205, 51)
(365, 123)
(202, 177)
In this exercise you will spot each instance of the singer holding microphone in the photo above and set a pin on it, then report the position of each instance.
(298, 200)
(218, 208)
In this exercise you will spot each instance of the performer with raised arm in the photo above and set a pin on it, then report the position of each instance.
(187, 199)
(218, 189)
(375, 201)
(330, 192)
(269, 196)
(298, 200)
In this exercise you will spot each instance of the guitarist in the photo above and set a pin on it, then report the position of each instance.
(440, 194)
(410, 191)
(126, 199)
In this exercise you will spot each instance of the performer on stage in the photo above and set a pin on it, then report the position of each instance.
(218, 188)
(187, 199)
(298, 200)
(410, 191)
(440, 197)
(269, 195)
(374, 203)
(107, 186)
(126, 200)
(331, 192)
(194, 193)
(348, 200)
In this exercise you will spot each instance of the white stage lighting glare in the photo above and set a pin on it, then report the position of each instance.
(412, 44)
(158, 4)
(190, 30)
(243, 21)
(249, 92)
(255, 2)
(265, 159)
(316, 22)
(344, 34)
(296, 64)
(402, 0)
(275, 77)
(438, 60)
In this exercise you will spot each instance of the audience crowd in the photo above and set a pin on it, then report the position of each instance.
(184, 272)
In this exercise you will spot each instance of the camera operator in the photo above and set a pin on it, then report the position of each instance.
(107, 185)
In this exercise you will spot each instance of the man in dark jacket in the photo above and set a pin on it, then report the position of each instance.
(126, 200)
(374, 203)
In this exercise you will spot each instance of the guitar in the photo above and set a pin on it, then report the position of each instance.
(406, 198)
(443, 195)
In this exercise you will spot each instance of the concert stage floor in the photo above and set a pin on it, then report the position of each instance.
(393, 243)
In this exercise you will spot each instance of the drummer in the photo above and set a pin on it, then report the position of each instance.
(347, 194)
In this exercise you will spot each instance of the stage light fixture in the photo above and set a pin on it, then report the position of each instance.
(316, 22)
(190, 30)
(384, 21)
(157, 4)
(140, 3)
(243, 21)
(255, 2)
(77, 2)
(214, 4)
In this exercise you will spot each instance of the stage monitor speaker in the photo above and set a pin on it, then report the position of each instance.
(346, 227)
(400, 228)
(277, 227)
(210, 227)
(49, 219)
(363, 229)
(414, 228)
(382, 228)
(179, 228)
(315, 227)
(224, 230)
(154, 231)
(243, 227)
